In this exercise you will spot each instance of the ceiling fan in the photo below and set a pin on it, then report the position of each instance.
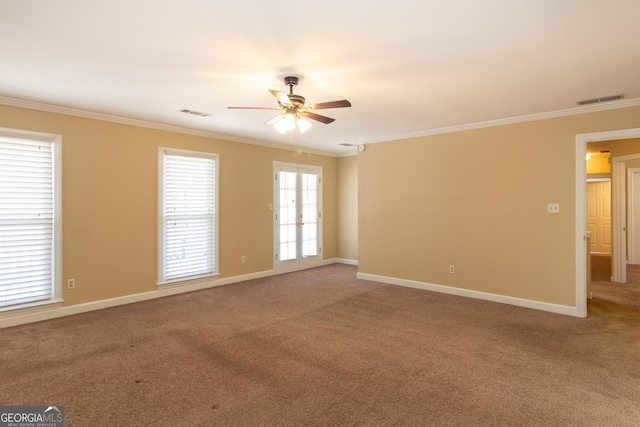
(294, 111)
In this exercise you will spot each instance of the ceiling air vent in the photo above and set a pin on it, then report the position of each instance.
(196, 113)
(597, 100)
(346, 144)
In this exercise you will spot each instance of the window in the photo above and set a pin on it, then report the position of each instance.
(188, 210)
(29, 219)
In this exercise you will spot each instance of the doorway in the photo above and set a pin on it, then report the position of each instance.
(297, 195)
(618, 213)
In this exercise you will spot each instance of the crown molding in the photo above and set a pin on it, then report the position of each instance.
(32, 105)
(50, 108)
(634, 102)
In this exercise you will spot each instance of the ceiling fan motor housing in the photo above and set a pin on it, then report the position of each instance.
(296, 100)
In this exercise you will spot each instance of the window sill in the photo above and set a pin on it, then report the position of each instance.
(35, 307)
(187, 281)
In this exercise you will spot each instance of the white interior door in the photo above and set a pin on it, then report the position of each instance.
(298, 216)
(599, 216)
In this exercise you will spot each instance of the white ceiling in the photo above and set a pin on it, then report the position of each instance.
(408, 67)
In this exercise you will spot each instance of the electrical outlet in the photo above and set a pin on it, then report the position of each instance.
(553, 208)
(452, 269)
(71, 283)
(243, 259)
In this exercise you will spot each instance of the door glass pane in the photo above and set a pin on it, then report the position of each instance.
(309, 214)
(288, 225)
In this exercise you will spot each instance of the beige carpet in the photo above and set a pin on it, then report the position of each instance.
(321, 348)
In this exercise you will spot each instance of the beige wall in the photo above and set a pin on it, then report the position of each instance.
(625, 147)
(110, 198)
(475, 199)
(599, 164)
(478, 200)
(348, 208)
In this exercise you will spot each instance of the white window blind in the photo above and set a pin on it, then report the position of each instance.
(26, 222)
(189, 215)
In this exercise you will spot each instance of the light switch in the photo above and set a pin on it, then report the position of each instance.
(553, 208)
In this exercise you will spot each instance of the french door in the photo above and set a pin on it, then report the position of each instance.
(298, 216)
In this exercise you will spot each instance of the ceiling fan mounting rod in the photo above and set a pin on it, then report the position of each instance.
(291, 81)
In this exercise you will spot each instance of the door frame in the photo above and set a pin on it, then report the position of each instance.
(276, 239)
(619, 216)
(633, 251)
(618, 251)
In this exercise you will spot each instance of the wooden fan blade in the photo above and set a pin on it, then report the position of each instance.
(317, 117)
(332, 104)
(253, 108)
(273, 120)
(282, 98)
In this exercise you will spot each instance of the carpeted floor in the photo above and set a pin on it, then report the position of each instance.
(321, 348)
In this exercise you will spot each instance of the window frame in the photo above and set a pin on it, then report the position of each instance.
(162, 280)
(55, 299)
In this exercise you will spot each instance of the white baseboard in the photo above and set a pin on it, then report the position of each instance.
(520, 302)
(21, 317)
(340, 261)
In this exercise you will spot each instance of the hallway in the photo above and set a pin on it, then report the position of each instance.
(618, 300)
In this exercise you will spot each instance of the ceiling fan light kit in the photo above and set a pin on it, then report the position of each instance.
(303, 124)
(288, 121)
(295, 112)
